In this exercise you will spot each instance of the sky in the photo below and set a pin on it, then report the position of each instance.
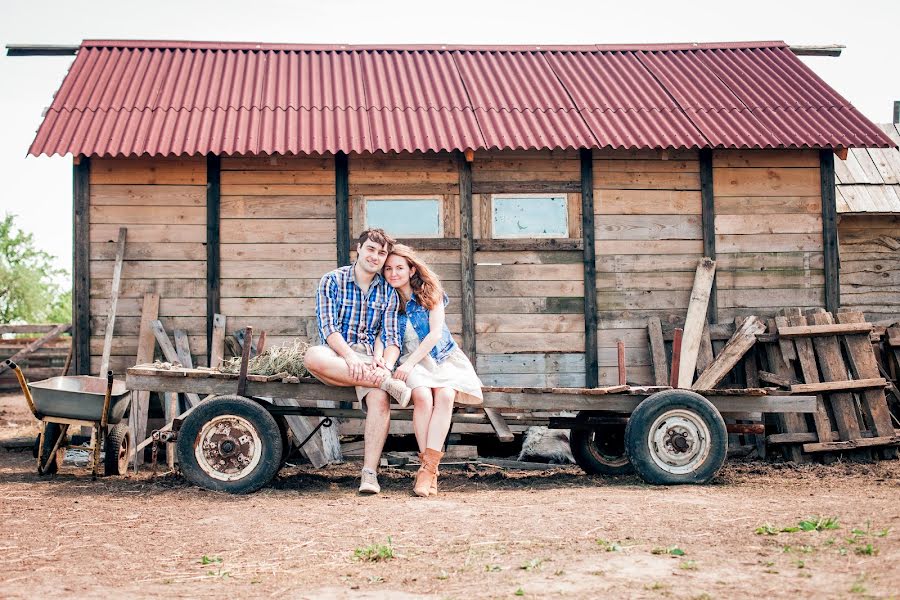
(39, 190)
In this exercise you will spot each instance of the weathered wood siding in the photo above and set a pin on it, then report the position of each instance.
(870, 264)
(434, 175)
(529, 312)
(768, 231)
(649, 239)
(162, 202)
(277, 240)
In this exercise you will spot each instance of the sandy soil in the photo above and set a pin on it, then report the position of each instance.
(490, 534)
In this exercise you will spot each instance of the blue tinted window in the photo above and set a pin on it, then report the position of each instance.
(405, 218)
(530, 216)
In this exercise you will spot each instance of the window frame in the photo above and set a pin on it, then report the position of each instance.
(402, 197)
(567, 227)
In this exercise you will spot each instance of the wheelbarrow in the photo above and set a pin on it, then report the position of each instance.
(96, 402)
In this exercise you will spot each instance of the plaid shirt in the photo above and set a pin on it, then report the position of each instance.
(360, 318)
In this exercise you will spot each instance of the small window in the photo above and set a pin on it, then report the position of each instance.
(405, 217)
(530, 215)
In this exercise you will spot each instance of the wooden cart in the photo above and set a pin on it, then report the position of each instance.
(236, 439)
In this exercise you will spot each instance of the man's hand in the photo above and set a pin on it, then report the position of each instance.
(358, 367)
(403, 371)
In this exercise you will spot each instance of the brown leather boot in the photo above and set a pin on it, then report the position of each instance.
(426, 477)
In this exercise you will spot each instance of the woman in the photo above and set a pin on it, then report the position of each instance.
(431, 363)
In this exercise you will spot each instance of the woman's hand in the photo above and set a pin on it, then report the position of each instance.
(403, 371)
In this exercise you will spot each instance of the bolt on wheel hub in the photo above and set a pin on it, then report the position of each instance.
(679, 441)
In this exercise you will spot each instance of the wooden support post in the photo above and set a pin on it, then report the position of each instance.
(830, 232)
(467, 258)
(217, 348)
(81, 264)
(342, 207)
(620, 361)
(113, 302)
(213, 239)
(140, 399)
(676, 356)
(695, 321)
(591, 359)
(658, 351)
(708, 221)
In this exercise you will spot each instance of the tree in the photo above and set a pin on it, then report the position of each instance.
(28, 292)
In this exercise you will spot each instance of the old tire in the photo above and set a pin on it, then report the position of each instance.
(52, 432)
(229, 444)
(116, 449)
(676, 437)
(600, 450)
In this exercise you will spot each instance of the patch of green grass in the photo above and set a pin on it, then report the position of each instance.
(609, 546)
(375, 552)
(533, 564)
(819, 524)
(766, 529)
(867, 550)
(492, 568)
(671, 550)
(688, 565)
(858, 586)
(519, 592)
(376, 579)
(655, 586)
(209, 560)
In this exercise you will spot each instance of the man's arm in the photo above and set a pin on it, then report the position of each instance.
(327, 299)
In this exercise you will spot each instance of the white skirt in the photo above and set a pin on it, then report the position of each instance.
(455, 372)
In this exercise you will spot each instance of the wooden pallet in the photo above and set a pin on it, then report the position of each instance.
(833, 358)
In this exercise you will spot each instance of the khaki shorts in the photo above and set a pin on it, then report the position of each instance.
(360, 351)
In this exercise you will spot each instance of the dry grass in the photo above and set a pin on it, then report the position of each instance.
(287, 358)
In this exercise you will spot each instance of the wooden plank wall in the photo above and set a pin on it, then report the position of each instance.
(162, 202)
(870, 265)
(529, 319)
(649, 239)
(277, 240)
(768, 231)
(433, 174)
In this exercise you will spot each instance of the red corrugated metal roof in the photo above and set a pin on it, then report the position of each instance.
(168, 98)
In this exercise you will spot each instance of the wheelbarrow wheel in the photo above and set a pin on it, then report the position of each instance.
(116, 449)
(229, 444)
(600, 450)
(675, 437)
(52, 432)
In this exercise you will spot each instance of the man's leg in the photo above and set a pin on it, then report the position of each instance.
(378, 423)
(330, 368)
(423, 406)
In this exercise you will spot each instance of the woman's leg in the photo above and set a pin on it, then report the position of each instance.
(423, 407)
(440, 418)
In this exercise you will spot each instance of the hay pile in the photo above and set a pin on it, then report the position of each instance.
(287, 358)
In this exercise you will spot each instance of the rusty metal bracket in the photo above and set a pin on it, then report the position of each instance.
(326, 422)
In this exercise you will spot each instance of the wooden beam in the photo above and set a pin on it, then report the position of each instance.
(708, 224)
(814, 330)
(113, 302)
(591, 358)
(831, 364)
(695, 321)
(742, 340)
(41, 50)
(140, 399)
(162, 338)
(891, 440)
(217, 349)
(342, 207)
(830, 232)
(81, 265)
(213, 240)
(838, 386)
(467, 258)
(806, 356)
(504, 433)
(658, 351)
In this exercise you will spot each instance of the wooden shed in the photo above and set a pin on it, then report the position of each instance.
(564, 194)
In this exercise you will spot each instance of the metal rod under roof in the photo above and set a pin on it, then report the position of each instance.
(40, 50)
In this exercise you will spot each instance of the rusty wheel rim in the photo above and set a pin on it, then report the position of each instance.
(679, 441)
(228, 448)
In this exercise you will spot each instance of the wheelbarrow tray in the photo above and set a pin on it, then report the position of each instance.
(79, 397)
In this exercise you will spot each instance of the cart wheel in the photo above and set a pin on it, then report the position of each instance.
(116, 450)
(676, 436)
(600, 450)
(52, 432)
(229, 444)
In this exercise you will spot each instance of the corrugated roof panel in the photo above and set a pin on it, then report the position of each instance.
(128, 98)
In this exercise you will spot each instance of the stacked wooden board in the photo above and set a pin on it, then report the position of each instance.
(38, 349)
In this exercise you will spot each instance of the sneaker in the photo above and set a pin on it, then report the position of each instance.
(397, 390)
(369, 482)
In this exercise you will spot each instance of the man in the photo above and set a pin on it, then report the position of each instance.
(354, 305)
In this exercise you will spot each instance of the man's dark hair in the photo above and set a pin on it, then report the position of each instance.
(379, 236)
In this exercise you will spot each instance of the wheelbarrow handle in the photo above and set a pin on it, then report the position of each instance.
(23, 383)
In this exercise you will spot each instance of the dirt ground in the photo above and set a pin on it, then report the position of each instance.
(490, 534)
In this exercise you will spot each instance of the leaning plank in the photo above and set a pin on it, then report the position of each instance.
(183, 348)
(742, 340)
(113, 302)
(168, 351)
(36, 344)
(301, 427)
(839, 386)
(788, 423)
(888, 440)
(658, 351)
(705, 355)
(695, 321)
(806, 355)
(787, 347)
(217, 349)
(140, 407)
(833, 368)
(504, 433)
(815, 330)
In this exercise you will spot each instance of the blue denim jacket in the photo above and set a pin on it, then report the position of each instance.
(418, 316)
